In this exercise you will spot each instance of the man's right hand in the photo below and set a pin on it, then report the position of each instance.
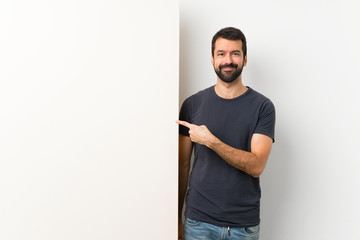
(181, 230)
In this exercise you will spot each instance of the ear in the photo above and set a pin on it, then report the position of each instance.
(212, 60)
(245, 60)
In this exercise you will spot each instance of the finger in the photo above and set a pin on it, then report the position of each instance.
(184, 123)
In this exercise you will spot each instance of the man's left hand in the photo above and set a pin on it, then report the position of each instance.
(198, 134)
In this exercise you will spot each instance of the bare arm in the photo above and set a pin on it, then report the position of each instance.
(185, 149)
(252, 162)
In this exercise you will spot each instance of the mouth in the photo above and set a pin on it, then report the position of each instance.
(228, 69)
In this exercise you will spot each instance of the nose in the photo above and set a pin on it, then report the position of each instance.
(228, 59)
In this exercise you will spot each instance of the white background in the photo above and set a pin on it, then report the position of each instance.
(88, 103)
(304, 56)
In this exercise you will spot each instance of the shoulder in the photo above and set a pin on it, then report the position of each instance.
(260, 99)
(192, 104)
(199, 96)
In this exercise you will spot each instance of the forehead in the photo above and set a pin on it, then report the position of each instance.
(227, 45)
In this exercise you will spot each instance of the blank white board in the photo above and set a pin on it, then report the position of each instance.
(88, 103)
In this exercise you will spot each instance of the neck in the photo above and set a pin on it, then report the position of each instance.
(230, 90)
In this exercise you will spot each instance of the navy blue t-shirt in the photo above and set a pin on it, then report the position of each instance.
(219, 193)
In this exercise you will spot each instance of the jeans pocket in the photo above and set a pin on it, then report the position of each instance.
(191, 222)
(252, 230)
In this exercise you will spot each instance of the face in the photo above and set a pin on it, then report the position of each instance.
(228, 59)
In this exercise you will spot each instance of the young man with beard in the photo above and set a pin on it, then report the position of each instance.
(231, 128)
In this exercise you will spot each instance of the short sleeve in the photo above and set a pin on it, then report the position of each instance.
(266, 120)
(185, 115)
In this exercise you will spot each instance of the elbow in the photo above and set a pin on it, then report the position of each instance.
(256, 172)
(255, 175)
(258, 168)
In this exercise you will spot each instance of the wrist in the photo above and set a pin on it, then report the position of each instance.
(211, 143)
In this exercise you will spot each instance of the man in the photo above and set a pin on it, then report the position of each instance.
(231, 128)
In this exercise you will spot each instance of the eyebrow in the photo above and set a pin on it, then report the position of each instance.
(221, 51)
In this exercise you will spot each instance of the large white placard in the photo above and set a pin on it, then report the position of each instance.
(88, 103)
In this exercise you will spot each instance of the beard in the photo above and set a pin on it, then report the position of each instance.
(229, 77)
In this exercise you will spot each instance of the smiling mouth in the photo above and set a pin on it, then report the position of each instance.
(228, 69)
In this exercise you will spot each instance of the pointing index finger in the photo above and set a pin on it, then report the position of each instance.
(184, 123)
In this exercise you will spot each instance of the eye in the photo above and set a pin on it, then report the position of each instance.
(220, 54)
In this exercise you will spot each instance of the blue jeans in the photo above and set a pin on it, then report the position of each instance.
(195, 230)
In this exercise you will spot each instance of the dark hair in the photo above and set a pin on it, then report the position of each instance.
(229, 33)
